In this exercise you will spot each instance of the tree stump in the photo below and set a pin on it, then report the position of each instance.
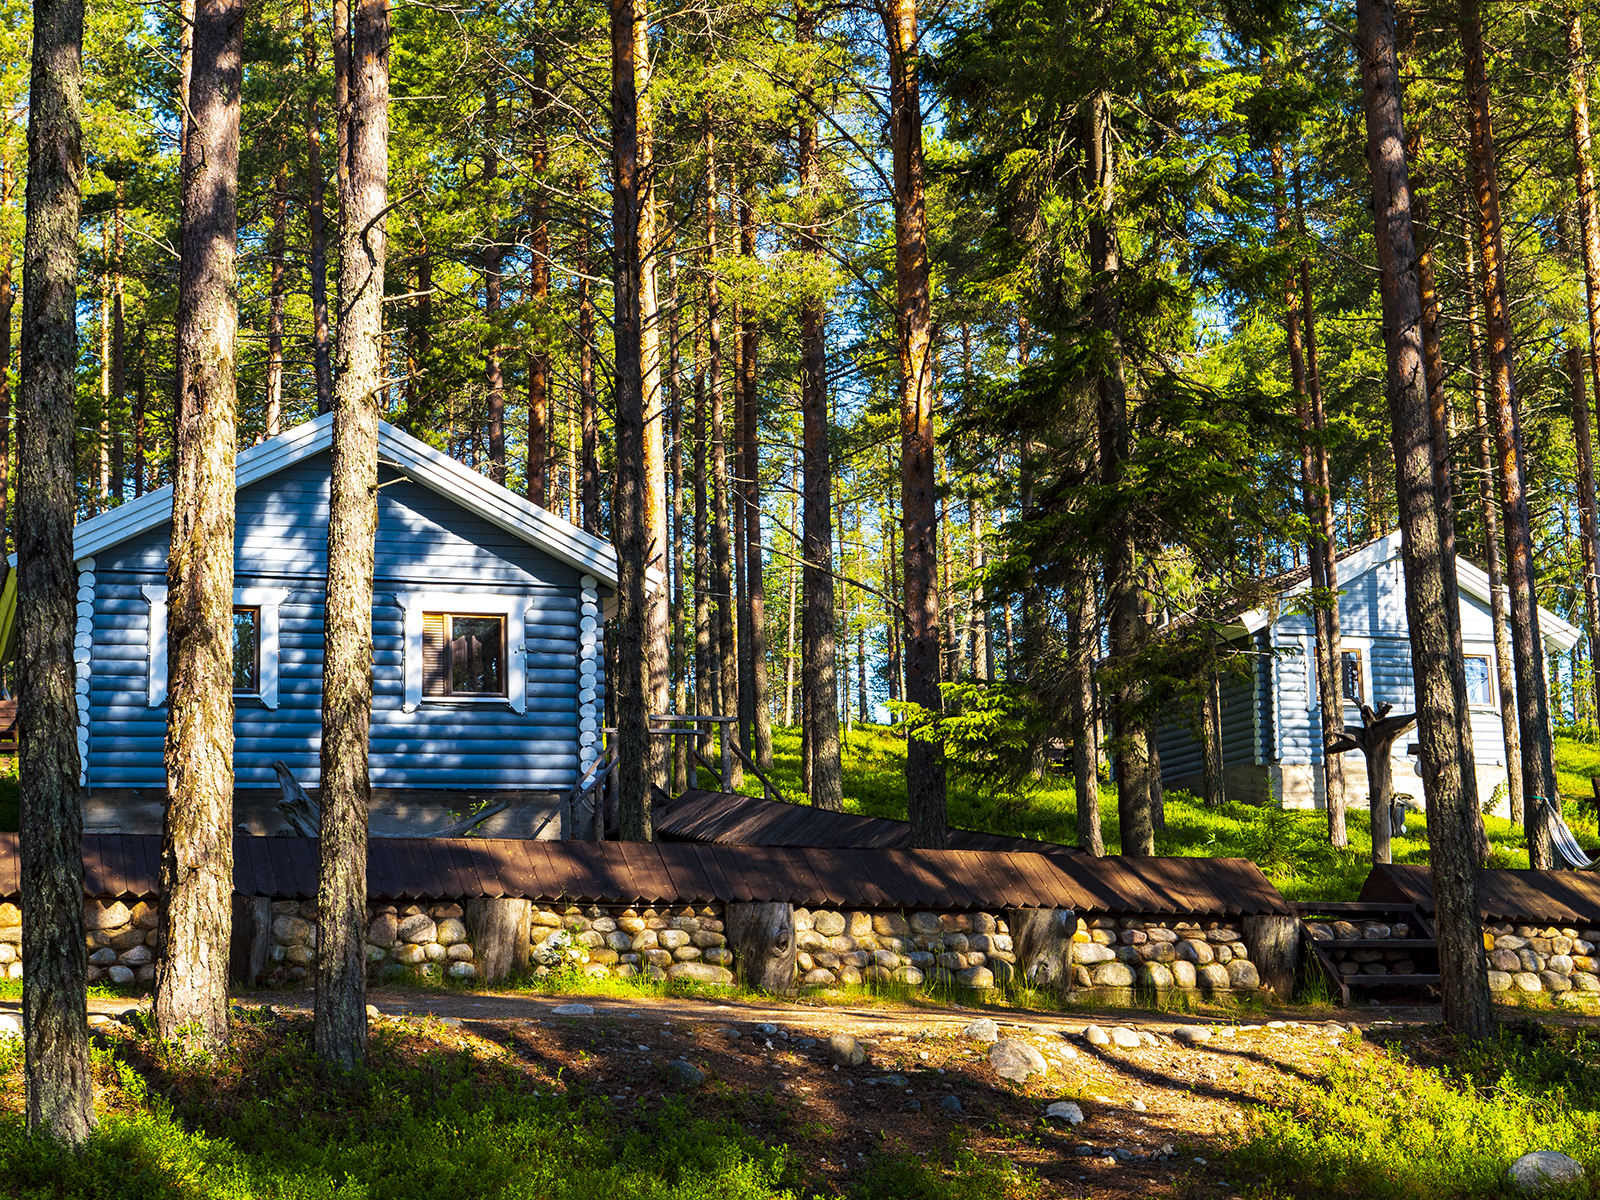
(499, 933)
(1274, 943)
(761, 937)
(251, 940)
(1041, 938)
(1375, 738)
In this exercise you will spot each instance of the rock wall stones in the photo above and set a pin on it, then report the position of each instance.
(1389, 960)
(121, 940)
(1530, 959)
(10, 942)
(969, 949)
(418, 939)
(1202, 953)
(680, 942)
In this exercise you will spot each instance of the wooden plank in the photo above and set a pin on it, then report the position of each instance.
(1049, 888)
(890, 874)
(266, 866)
(1251, 886)
(1020, 891)
(1174, 890)
(113, 879)
(303, 853)
(924, 886)
(580, 877)
(949, 877)
(1119, 890)
(616, 880)
(474, 867)
(711, 865)
(653, 880)
(381, 875)
(681, 861)
(731, 860)
(516, 874)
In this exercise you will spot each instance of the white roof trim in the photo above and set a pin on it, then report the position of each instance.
(1556, 633)
(416, 460)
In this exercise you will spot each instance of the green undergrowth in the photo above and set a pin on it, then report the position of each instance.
(1426, 1120)
(429, 1119)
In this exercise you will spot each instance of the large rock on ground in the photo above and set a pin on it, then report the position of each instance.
(1016, 1060)
(1541, 1170)
(845, 1051)
(1124, 1037)
(700, 972)
(1242, 975)
(982, 1030)
(1113, 974)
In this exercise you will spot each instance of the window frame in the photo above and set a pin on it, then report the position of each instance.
(1489, 673)
(255, 667)
(515, 655)
(264, 599)
(1359, 653)
(449, 651)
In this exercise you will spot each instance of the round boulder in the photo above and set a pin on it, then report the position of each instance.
(1541, 1170)
(1242, 974)
(1015, 1060)
(828, 924)
(982, 1030)
(845, 1051)
(1065, 1110)
(1113, 974)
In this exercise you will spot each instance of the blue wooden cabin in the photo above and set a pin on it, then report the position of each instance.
(1272, 743)
(487, 611)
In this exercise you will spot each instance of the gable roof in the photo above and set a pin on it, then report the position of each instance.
(1557, 633)
(413, 458)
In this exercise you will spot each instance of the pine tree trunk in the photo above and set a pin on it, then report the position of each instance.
(141, 395)
(655, 456)
(1581, 430)
(493, 370)
(794, 588)
(191, 984)
(1325, 568)
(1083, 647)
(754, 556)
(586, 390)
(119, 333)
(316, 222)
(7, 303)
(705, 672)
(925, 779)
(1432, 605)
(1533, 704)
(819, 657)
(1589, 218)
(680, 673)
(273, 417)
(1124, 600)
(341, 1000)
(1504, 674)
(632, 687)
(539, 267)
(56, 1065)
(727, 666)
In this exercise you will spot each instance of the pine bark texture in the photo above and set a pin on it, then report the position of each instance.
(925, 776)
(757, 704)
(196, 874)
(727, 666)
(1589, 220)
(341, 1001)
(56, 1068)
(819, 682)
(1533, 699)
(277, 287)
(633, 690)
(1505, 676)
(1431, 604)
(589, 419)
(539, 268)
(493, 367)
(1582, 437)
(1123, 571)
(316, 222)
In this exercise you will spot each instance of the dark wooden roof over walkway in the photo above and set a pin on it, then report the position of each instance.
(126, 866)
(730, 819)
(1542, 897)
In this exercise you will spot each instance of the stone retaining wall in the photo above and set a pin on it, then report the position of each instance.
(1200, 953)
(682, 942)
(1541, 959)
(937, 949)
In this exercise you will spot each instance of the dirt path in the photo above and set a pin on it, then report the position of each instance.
(1157, 1116)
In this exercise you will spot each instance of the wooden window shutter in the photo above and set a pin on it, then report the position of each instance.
(435, 655)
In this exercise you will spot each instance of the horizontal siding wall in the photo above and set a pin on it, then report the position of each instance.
(425, 543)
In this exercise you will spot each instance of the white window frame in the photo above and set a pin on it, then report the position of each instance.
(512, 608)
(1362, 648)
(1487, 654)
(265, 599)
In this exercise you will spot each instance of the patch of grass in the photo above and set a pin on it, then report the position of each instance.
(423, 1122)
(1388, 1126)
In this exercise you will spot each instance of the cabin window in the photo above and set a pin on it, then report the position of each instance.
(463, 654)
(1353, 682)
(1480, 683)
(246, 650)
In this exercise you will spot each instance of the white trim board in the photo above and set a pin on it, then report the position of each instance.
(266, 600)
(415, 459)
(512, 608)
